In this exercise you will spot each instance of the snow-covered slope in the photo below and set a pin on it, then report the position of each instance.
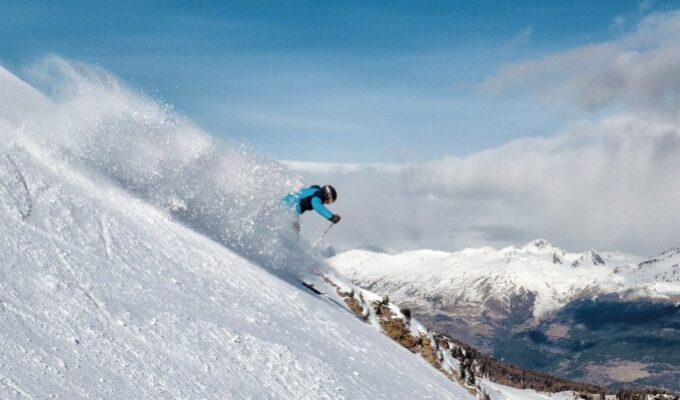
(133, 266)
(538, 275)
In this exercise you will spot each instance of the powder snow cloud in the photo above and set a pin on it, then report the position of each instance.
(607, 180)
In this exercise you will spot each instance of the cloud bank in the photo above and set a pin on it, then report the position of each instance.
(639, 72)
(608, 180)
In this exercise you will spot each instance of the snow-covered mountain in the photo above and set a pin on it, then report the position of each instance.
(134, 265)
(541, 307)
(538, 275)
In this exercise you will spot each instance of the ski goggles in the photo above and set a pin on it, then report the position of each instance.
(328, 196)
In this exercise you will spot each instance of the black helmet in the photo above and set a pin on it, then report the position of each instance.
(329, 193)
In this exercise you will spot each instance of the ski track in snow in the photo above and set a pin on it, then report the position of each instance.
(102, 295)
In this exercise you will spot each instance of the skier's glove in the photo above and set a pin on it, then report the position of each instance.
(335, 219)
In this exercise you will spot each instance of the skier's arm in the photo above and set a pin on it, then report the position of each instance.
(319, 207)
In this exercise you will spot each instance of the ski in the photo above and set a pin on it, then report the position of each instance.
(311, 287)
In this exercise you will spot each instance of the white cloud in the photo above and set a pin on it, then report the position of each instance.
(609, 185)
(639, 71)
(522, 37)
(619, 23)
(608, 181)
(645, 5)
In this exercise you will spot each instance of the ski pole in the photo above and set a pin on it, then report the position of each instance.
(323, 234)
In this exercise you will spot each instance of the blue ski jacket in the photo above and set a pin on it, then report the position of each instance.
(308, 199)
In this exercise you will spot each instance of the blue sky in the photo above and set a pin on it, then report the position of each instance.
(326, 81)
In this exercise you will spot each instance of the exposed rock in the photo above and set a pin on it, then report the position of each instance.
(557, 259)
(428, 352)
(355, 306)
(588, 258)
(396, 329)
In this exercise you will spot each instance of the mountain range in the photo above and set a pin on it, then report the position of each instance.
(542, 307)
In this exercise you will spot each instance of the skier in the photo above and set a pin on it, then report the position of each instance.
(312, 198)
